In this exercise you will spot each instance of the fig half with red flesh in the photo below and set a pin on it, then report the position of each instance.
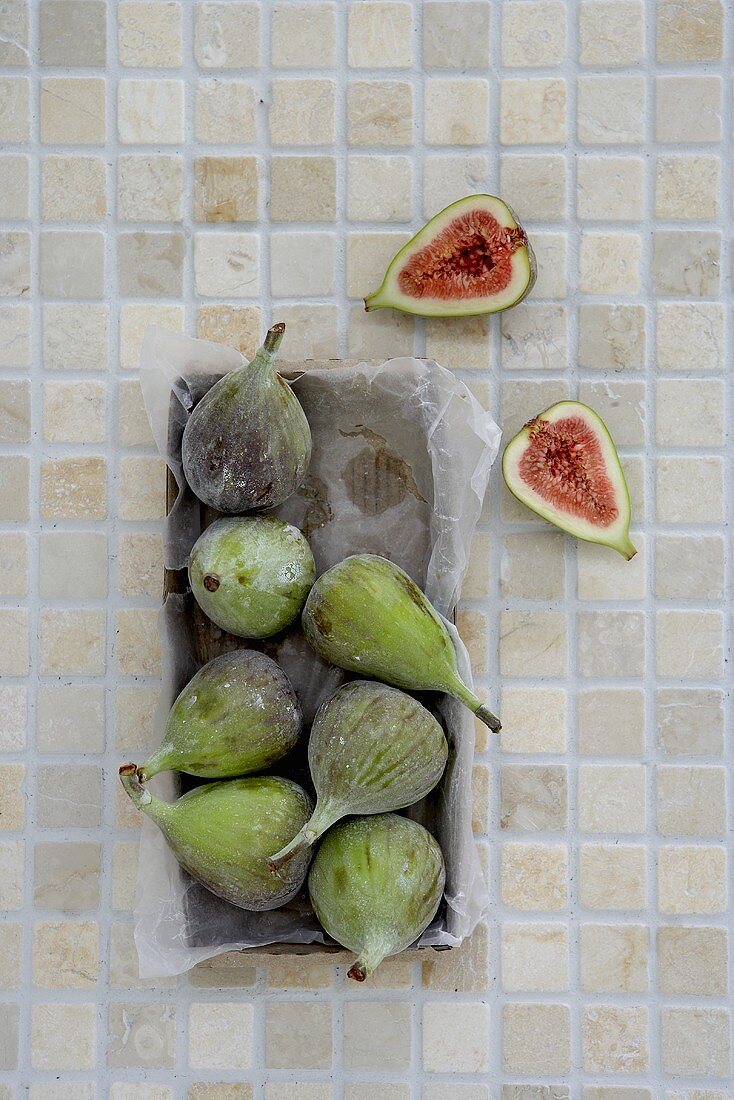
(474, 257)
(563, 464)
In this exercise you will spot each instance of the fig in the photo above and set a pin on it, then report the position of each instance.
(238, 714)
(372, 748)
(251, 574)
(563, 464)
(221, 834)
(474, 257)
(366, 615)
(247, 443)
(375, 885)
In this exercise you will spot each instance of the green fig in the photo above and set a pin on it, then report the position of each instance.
(238, 714)
(366, 615)
(372, 748)
(221, 834)
(251, 574)
(247, 443)
(375, 885)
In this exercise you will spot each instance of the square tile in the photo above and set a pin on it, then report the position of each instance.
(14, 337)
(13, 487)
(149, 34)
(613, 876)
(63, 1036)
(687, 109)
(614, 1039)
(12, 795)
(377, 1036)
(688, 32)
(611, 32)
(73, 488)
(692, 961)
(611, 337)
(11, 944)
(13, 187)
(379, 189)
(690, 721)
(70, 718)
(686, 187)
(150, 112)
(15, 264)
(73, 33)
(456, 111)
(379, 112)
(695, 1042)
(301, 112)
(379, 35)
(691, 801)
(456, 35)
(689, 490)
(14, 412)
(532, 566)
(301, 264)
(534, 958)
(220, 1035)
(613, 958)
(533, 643)
(455, 1037)
(225, 112)
(14, 48)
(448, 178)
(72, 264)
(534, 876)
(690, 336)
(236, 326)
(227, 264)
(225, 189)
(74, 412)
(611, 798)
(85, 325)
(140, 564)
(533, 34)
(13, 716)
(65, 954)
(689, 413)
(610, 263)
(227, 35)
(535, 337)
(689, 644)
(134, 322)
(533, 111)
(73, 188)
(611, 110)
(12, 855)
(536, 1038)
(13, 563)
(298, 1036)
(73, 110)
(14, 642)
(536, 182)
(14, 103)
(66, 875)
(141, 1036)
(611, 643)
(689, 567)
(72, 642)
(534, 797)
(609, 189)
(73, 564)
(686, 263)
(611, 722)
(533, 720)
(150, 265)
(149, 187)
(302, 189)
(692, 880)
(137, 642)
(303, 36)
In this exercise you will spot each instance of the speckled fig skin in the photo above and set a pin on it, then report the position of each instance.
(247, 443)
(238, 714)
(251, 574)
(375, 885)
(365, 614)
(372, 748)
(221, 834)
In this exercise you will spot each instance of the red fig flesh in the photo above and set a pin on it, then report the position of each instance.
(563, 464)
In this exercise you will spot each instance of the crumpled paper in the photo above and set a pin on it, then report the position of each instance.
(401, 458)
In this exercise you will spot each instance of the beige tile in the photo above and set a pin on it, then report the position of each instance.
(298, 1035)
(301, 112)
(207, 1090)
(690, 721)
(695, 1042)
(448, 178)
(613, 876)
(14, 648)
(689, 644)
(533, 720)
(142, 487)
(225, 189)
(534, 337)
(379, 189)
(377, 1036)
(11, 945)
(692, 880)
(534, 35)
(690, 31)
(74, 412)
(137, 642)
(687, 109)
(609, 263)
(12, 797)
(14, 102)
(15, 412)
(690, 413)
(150, 265)
(472, 627)
(611, 337)
(225, 971)
(55, 809)
(611, 110)
(227, 35)
(73, 189)
(14, 183)
(465, 969)
(455, 1037)
(691, 801)
(456, 35)
(70, 718)
(550, 253)
(382, 335)
(149, 34)
(614, 1039)
(12, 855)
(302, 189)
(311, 332)
(123, 962)
(14, 47)
(393, 1092)
(537, 184)
(225, 112)
(82, 326)
(461, 343)
(72, 110)
(534, 797)
(692, 961)
(610, 189)
(9, 1036)
(605, 576)
(72, 642)
(536, 1038)
(690, 336)
(72, 264)
(611, 32)
(141, 1036)
(301, 264)
(14, 337)
(140, 564)
(134, 710)
(456, 111)
(149, 187)
(686, 262)
(15, 264)
(63, 1036)
(611, 798)
(534, 958)
(226, 265)
(611, 722)
(220, 1035)
(73, 488)
(611, 643)
(613, 958)
(379, 35)
(125, 1090)
(65, 954)
(73, 33)
(689, 489)
(150, 112)
(133, 429)
(67, 875)
(13, 715)
(303, 36)
(533, 111)
(537, 1092)
(124, 873)
(379, 112)
(686, 187)
(533, 643)
(532, 566)
(534, 876)
(134, 322)
(288, 1090)
(236, 326)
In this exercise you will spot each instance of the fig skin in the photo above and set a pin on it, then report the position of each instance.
(375, 885)
(238, 714)
(372, 748)
(251, 574)
(221, 834)
(366, 615)
(247, 443)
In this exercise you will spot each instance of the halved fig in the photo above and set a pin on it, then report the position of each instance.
(474, 257)
(563, 464)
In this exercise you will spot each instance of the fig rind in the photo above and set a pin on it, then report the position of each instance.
(471, 270)
(563, 465)
(375, 885)
(365, 614)
(221, 833)
(251, 574)
(238, 714)
(372, 749)
(247, 444)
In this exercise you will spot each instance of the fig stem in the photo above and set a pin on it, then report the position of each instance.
(302, 840)
(367, 961)
(461, 692)
(130, 778)
(484, 714)
(273, 338)
(626, 549)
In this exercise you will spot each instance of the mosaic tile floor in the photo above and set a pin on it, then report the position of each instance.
(213, 165)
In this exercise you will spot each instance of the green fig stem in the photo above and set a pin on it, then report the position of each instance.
(158, 762)
(321, 820)
(626, 549)
(273, 338)
(460, 691)
(372, 302)
(367, 961)
(130, 778)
